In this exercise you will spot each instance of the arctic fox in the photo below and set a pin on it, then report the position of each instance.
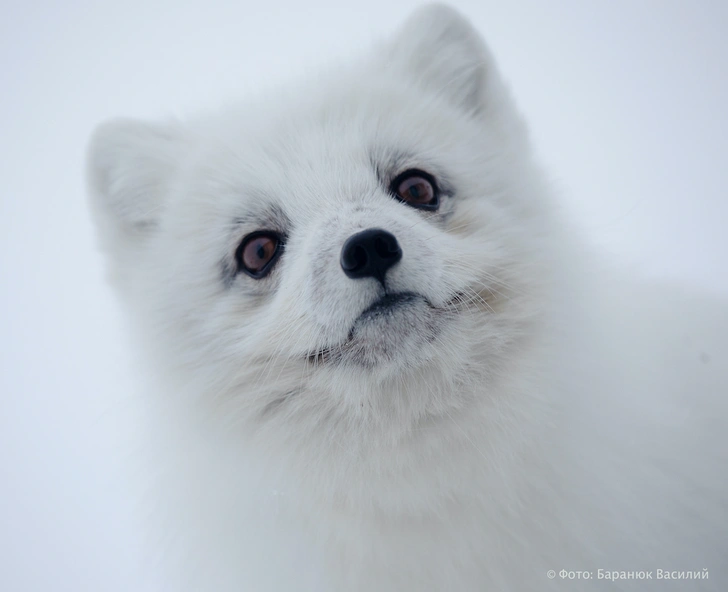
(381, 359)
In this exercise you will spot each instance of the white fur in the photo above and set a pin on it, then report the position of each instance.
(563, 416)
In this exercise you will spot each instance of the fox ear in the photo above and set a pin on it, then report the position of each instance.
(444, 53)
(129, 168)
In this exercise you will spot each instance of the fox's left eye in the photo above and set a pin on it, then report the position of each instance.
(417, 189)
(258, 252)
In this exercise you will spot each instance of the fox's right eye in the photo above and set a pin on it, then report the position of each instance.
(258, 253)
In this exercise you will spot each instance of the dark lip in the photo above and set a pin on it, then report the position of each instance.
(384, 305)
(387, 303)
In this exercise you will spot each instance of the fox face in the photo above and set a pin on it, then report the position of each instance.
(368, 246)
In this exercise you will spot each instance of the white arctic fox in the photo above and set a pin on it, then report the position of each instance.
(380, 359)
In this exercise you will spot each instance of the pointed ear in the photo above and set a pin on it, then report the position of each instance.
(129, 168)
(441, 50)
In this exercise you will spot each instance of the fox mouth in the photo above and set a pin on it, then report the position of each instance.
(387, 304)
(393, 324)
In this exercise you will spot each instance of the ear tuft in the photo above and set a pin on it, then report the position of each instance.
(129, 167)
(440, 48)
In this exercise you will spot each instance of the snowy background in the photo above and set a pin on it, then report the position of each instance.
(628, 105)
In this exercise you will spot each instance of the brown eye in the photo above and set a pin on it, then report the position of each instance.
(417, 189)
(258, 252)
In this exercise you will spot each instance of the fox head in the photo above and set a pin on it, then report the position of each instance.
(353, 259)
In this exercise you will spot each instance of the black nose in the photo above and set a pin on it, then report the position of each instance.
(370, 253)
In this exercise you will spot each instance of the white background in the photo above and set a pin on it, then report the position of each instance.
(628, 105)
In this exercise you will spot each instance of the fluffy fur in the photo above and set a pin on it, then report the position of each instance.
(530, 410)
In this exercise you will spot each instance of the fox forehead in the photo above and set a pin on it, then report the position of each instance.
(335, 149)
(294, 174)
